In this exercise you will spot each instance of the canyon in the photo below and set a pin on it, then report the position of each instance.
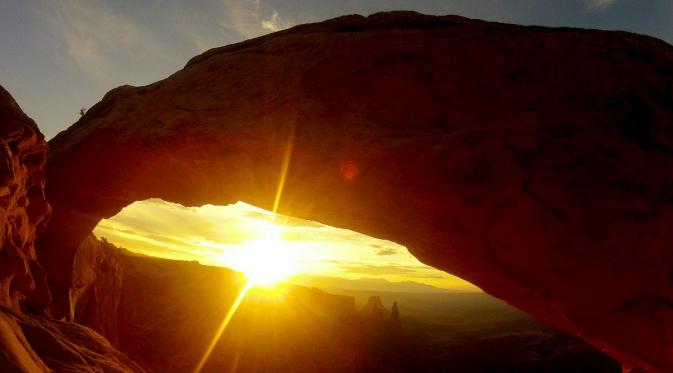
(536, 163)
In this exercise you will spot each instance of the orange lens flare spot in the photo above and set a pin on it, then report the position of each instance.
(349, 171)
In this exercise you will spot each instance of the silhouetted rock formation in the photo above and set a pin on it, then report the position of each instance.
(373, 312)
(534, 162)
(395, 314)
(35, 343)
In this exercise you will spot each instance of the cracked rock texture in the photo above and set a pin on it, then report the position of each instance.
(534, 162)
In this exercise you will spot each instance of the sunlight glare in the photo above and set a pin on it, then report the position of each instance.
(267, 260)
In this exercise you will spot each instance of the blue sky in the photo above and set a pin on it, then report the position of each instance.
(57, 56)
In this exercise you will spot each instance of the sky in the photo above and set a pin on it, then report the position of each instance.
(228, 236)
(58, 56)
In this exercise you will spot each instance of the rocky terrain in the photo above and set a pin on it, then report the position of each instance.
(31, 343)
(534, 162)
(297, 329)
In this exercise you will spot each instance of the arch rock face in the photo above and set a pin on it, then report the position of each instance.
(536, 163)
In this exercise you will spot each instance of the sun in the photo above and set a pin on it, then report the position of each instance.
(268, 260)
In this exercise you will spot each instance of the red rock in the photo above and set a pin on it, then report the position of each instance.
(534, 162)
(39, 344)
(23, 207)
(35, 343)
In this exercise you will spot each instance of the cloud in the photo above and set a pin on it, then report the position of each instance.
(275, 23)
(386, 251)
(98, 39)
(244, 18)
(240, 17)
(600, 4)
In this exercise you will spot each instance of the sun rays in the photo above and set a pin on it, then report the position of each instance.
(265, 261)
(223, 326)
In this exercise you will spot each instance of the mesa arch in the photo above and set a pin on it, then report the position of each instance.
(534, 162)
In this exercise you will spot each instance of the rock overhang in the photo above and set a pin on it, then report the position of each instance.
(533, 162)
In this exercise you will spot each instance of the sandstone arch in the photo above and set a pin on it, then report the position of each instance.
(536, 163)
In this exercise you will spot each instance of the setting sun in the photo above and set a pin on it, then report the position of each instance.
(267, 260)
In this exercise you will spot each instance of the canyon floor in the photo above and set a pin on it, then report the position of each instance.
(168, 312)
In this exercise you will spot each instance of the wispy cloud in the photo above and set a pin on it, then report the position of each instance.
(97, 39)
(386, 251)
(246, 18)
(275, 23)
(600, 4)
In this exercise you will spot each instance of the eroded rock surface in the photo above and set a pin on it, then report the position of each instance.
(536, 163)
(23, 207)
(41, 344)
(35, 343)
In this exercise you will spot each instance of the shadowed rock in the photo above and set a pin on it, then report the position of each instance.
(97, 286)
(373, 312)
(536, 163)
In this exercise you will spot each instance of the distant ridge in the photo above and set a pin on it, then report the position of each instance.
(371, 284)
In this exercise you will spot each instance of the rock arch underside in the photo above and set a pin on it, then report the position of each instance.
(535, 162)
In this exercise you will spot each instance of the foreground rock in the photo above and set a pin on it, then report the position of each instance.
(41, 344)
(23, 207)
(536, 163)
(35, 343)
